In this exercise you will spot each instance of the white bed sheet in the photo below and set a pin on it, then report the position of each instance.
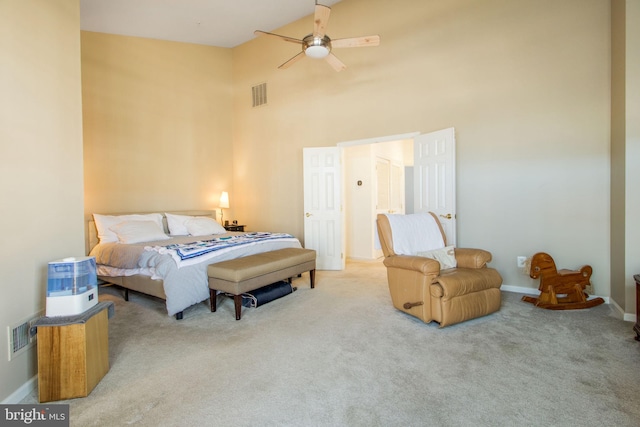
(106, 270)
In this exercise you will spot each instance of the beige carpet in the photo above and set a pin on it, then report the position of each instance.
(340, 355)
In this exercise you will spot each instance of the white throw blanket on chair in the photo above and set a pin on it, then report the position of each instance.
(415, 233)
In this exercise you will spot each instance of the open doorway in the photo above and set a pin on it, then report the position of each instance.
(347, 187)
(398, 174)
(378, 178)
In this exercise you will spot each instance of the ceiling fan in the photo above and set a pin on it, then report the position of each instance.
(318, 45)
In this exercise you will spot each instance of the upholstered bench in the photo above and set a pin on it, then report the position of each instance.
(240, 275)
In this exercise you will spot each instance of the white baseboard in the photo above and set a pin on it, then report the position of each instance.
(536, 292)
(520, 290)
(627, 317)
(25, 390)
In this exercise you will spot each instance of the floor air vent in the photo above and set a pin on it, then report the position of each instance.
(259, 94)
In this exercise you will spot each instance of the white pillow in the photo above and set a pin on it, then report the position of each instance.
(177, 225)
(105, 222)
(445, 256)
(139, 231)
(202, 226)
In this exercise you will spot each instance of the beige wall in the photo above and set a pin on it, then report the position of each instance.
(625, 151)
(618, 154)
(524, 83)
(40, 161)
(157, 124)
(632, 149)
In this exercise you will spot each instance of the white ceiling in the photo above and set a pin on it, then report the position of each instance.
(222, 23)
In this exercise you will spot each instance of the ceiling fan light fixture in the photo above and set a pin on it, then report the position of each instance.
(317, 52)
(316, 47)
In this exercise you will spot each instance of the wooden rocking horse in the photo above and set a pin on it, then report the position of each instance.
(560, 290)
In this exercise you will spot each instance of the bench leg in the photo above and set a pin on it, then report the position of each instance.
(237, 301)
(213, 296)
(312, 278)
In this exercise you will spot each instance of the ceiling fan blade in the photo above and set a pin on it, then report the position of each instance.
(335, 62)
(321, 19)
(278, 36)
(292, 61)
(356, 41)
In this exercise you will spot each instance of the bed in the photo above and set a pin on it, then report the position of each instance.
(166, 255)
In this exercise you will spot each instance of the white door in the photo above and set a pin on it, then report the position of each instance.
(434, 157)
(389, 187)
(383, 174)
(323, 216)
(396, 190)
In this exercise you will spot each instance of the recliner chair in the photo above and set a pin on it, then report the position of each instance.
(419, 286)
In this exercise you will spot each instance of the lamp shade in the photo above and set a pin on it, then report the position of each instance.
(224, 200)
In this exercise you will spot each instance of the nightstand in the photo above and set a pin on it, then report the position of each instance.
(73, 352)
(234, 227)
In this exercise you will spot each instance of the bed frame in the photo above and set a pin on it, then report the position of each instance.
(138, 282)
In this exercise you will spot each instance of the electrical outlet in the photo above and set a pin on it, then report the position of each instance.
(521, 260)
(589, 289)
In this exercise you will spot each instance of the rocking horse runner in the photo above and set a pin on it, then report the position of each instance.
(560, 290)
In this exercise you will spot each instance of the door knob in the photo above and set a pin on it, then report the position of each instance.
(308, 214)
(447, 216)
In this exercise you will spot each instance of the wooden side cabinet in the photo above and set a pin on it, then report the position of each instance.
(636, 327)
(73, 357)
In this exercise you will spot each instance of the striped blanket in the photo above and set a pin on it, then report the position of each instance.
(189, 253)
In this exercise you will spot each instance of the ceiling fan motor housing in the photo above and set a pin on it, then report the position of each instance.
(316, 47)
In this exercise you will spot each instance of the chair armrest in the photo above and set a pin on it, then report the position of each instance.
(415, 263)
(472, 258)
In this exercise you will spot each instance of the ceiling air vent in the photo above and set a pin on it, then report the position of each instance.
(259, 94)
